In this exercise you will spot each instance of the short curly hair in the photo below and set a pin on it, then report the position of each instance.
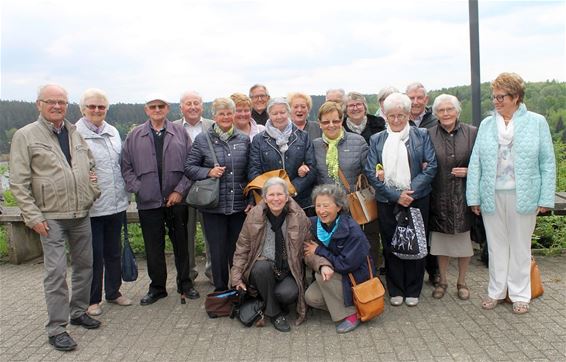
(512, 83)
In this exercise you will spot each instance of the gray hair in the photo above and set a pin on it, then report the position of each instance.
(258, 86)
(397, 100)
(416, 85)
(42, 88)
(274, 181)
(223, 103)
(385, 92)
(334, 191)
(356, 96)
(92, 93)
(276, 101)
(189, 93)
(339, 90)
(446, 98)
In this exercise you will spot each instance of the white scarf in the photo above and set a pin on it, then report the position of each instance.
(504, 132)
(396, 159)
(281, 137)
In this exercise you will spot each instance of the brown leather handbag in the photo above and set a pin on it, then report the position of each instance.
(368, 296)
(361, 201)
(256, 184)
(536, 282)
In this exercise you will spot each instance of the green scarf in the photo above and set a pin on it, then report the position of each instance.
(332, 155)
(224, 136)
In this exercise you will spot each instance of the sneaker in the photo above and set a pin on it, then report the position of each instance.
(121, 300)
(411, 302)
(396, 301)
(94, 310)
(346, 326)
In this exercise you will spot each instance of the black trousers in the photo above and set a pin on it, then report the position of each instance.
(274, 294)
(106, 256)
(404, 277)
(153, 223)
(222, 233)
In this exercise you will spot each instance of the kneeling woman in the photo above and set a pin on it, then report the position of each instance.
(269, 255)
(341, 247)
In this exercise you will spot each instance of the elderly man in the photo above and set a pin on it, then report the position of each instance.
(52, 179)
(153, 158)
(421, 115)
(337, 95)
(193, 122)
(260, 97)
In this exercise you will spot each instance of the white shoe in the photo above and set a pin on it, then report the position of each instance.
(396, 301)
(411, 302)
(94, 310)
(121, 300)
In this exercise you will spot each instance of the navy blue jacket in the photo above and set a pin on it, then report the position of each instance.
(420, 150)
(347, 252)
(265, 156)
(234, 156)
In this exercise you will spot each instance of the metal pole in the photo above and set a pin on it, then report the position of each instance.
(475, 62)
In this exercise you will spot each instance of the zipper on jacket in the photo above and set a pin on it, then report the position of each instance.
(43, 195)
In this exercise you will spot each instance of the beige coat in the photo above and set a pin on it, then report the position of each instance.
(44, 185)
(250, 246)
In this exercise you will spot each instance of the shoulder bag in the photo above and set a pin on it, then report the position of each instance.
(409, 239)
(256, 184)
(361, 201)
(129, 267)
(221, 304)
(205, 194)
(368, 296)
(249, 310)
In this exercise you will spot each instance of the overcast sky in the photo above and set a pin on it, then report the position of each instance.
(132, 49)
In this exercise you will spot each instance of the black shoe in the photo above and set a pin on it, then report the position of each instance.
(192, 293)
(151, 298)
(63, 342)
(85, 321)
(280, 323)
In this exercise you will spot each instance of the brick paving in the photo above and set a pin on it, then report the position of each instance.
(436, 330)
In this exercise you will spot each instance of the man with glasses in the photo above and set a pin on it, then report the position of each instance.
(421, 114)
(153, 160)
(260, 98)
(53, 181)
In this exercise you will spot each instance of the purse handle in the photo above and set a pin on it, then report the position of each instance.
(343, 179)
(211, 149)
(370, 273)
(125, 229)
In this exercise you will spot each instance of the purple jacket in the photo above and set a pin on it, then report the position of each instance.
(139, 166)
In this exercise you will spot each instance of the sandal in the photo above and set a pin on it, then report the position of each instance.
(489, 303)
(439, 291)
(520, 307)
(463, 291)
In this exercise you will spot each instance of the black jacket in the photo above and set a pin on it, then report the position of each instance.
(373, 126)
(429, 119)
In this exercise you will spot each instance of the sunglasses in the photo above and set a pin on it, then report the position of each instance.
(93, 107)
(156, 106)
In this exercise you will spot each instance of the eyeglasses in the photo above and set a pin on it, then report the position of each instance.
(445, 110)
(153, 107)
(499, 97)
(393, 117)
(93, 107)
(355, 105)
(53, 102)
(260, 96)
(327, 123)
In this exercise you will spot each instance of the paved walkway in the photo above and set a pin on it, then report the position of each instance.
(444, 330)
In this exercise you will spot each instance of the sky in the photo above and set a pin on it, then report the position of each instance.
(135, 49)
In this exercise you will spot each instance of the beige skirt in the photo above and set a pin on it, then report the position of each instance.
(454, 245)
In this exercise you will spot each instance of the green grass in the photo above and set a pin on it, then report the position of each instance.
(136, 240)
(3, 243)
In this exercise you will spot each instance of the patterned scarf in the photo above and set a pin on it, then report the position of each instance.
(281, 137)
(357, 128)
(332, 155)
(224, 136)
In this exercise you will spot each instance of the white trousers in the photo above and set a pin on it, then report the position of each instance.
(509, 244)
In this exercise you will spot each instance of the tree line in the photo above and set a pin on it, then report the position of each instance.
(547, 98)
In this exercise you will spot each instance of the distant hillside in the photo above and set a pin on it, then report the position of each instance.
(547, 98)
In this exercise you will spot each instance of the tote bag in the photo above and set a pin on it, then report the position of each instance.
(409, 239)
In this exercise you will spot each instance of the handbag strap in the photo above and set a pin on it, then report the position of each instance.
(362, 182)
(211, 149)
(370, 273)
(343, 179)
(125, 229)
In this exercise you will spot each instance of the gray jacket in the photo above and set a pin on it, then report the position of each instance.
(106, 148)
(352, 154)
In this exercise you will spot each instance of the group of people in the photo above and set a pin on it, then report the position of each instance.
(72, 181)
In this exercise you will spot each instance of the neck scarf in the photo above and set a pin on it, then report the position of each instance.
(224, 136)
(323, 235)
(276, 222)
(504, 132)
(396, 159)
(281, 137)
(332, 155)
(357, 128)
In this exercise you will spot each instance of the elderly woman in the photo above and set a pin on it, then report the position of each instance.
(407, 157)
(223, 223)
(243, 120)
(269, 256)
(340, 248)
(357, 118)
(283, 146)
(108, 212)
(301, 105)
(381, 95)
(511, 178)
(450, 219)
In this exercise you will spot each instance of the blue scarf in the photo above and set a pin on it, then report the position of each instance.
(324, 235)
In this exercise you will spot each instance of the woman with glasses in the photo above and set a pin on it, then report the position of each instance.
(357, 118)
(511, 179)
(406, 156)
(450, 218)
(107, 214)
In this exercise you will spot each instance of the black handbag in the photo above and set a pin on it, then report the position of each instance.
(205, 194)
(129, 266)
(409, 239)
(249, 310)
